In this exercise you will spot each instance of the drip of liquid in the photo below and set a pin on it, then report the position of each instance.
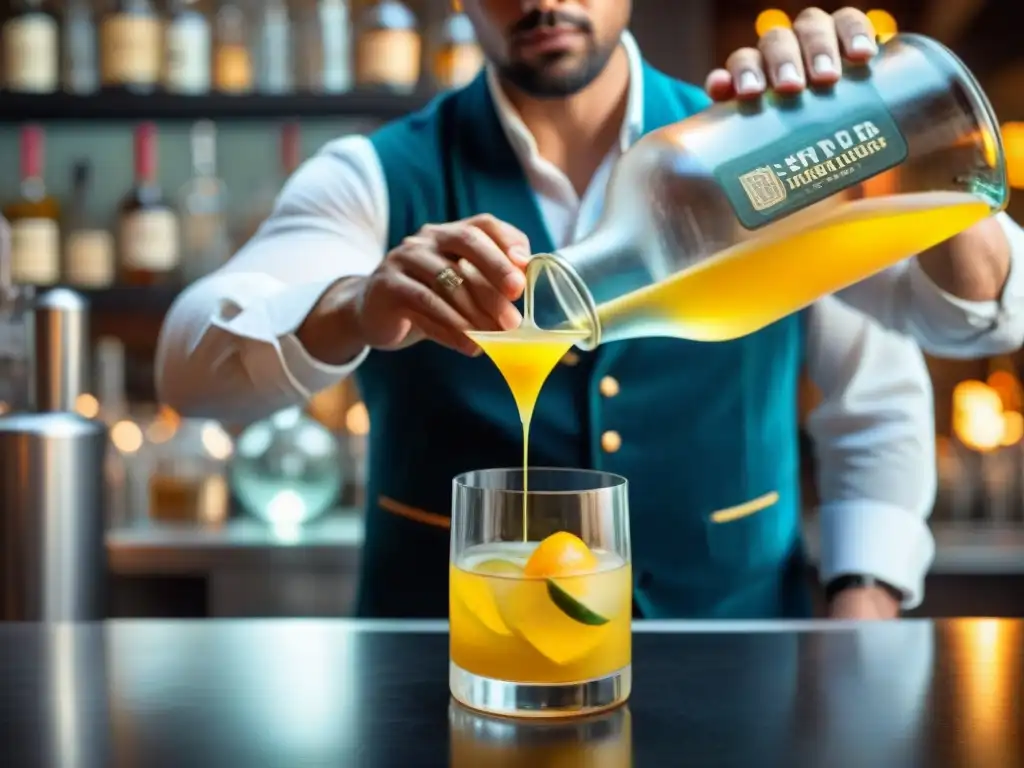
(753, 284)
(525, 358)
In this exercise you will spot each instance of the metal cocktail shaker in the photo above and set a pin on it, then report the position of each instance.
(52, 554)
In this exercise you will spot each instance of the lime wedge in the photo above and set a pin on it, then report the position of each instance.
(573, 607)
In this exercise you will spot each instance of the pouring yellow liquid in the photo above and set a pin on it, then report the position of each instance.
(525, 358)
(742, 289)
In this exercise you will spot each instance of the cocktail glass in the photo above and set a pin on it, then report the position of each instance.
(540, 595)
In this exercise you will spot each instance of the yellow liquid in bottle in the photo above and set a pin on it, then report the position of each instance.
(755, 283)
(525, 358)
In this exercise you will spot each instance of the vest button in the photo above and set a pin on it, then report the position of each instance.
(570, 358)
(609, 387)
(611, 441)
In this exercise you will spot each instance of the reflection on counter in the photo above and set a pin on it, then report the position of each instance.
(600, 741)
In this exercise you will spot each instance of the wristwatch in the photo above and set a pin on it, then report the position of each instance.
(859, 581)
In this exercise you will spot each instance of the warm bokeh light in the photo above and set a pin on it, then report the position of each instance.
(1013, 146)
(770, 19)
(126, 436)
(885, 25)
(88, 406)
(980, 419)
(357, 420)
(216, 441)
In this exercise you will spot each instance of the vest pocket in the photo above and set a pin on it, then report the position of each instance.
(751, 535)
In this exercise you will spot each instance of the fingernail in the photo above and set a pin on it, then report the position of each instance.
(823, 65)
(511, 319)
(749, 82)
(789, 75)
(863, 44)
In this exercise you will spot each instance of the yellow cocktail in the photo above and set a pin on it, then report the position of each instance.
(540, 608)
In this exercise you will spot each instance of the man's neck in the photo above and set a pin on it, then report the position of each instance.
(576, 133)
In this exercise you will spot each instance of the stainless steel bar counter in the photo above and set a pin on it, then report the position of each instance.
(351, 694)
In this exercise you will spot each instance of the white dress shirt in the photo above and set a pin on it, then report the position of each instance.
(228, 348)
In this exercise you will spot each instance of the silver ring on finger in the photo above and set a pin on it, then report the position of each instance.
(449, 280)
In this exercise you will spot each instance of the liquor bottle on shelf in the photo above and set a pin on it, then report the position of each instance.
(34, 218)
(187, 49)
(130, 47)
(88, 248)
(457, 57)
(232, 62)
(147, 225)
(205, 241)
(78, 55)
(388, 48)
(274, 47)
(335, 27)
(262, 203)
(30, 48)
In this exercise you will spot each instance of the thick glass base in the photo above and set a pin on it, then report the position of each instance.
(500, 697)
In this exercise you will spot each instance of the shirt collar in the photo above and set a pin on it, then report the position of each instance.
(522, 140)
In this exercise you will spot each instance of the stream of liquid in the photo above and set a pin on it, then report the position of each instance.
(740, 290)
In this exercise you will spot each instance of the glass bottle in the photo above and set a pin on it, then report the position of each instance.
(34, 218)
(205, 242)
(130, 47)
(273, 47)
(388, 48)
(15, 304)
(187, 44)
(457, 58)
(30, 48)
(335, 25)
(88, 248)
(78, 55)
(232, 62)
(148, 238)
(287, 469)
(721, 224)
(259, 208)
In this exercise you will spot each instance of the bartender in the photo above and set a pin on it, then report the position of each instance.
(383, 250)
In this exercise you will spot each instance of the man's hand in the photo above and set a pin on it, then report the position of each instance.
(864, 604)
(973, 265)
(406, 300)
(788, 59)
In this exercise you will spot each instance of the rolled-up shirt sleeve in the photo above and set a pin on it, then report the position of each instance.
(904, 298)
(228, 348)
(874, 441)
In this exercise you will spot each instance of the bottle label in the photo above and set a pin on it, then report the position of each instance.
(149, 240)
(389, 57)
(131, 50)
(841, 141)
(35, 251)
(188, 55)
(30, 53)
(90, 258)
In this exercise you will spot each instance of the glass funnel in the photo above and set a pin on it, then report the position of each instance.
(721, 224)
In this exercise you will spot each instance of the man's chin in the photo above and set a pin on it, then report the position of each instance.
(553, 79)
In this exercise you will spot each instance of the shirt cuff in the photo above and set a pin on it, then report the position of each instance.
(274, 321)
(978, 315)
(879, 540)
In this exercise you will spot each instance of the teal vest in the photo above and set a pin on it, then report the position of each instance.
(703, 427)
